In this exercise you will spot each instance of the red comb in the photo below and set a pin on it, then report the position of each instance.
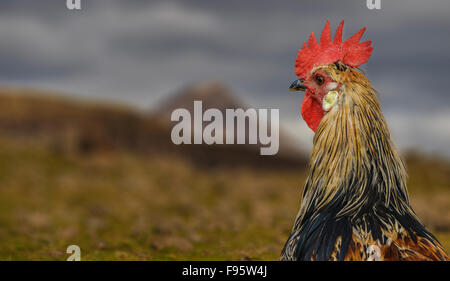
(351, 52)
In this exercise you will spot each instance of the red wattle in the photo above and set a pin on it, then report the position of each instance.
(312, 112)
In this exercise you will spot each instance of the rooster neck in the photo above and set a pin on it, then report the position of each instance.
(356, 180)
(354, 161)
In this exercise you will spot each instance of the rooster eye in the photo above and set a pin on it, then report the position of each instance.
(319, 79)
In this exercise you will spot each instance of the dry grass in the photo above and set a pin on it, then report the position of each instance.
(125, 207)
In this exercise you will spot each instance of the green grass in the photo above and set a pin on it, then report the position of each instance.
(127, 207)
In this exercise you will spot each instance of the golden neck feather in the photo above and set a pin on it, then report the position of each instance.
(353, 157)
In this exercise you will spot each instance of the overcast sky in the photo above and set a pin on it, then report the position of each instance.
(141, 51)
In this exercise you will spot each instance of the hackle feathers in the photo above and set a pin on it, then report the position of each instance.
(355, 195)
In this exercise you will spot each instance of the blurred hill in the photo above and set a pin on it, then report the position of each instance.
(215, 94)
(74, 126)
(77, 126)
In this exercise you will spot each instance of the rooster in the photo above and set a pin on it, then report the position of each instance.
(355, 203)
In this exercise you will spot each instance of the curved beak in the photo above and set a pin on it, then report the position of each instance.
(297, 85)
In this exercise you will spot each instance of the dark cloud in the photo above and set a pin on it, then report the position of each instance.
(140, 51)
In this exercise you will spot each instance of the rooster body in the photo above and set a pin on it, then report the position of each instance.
(355, 202)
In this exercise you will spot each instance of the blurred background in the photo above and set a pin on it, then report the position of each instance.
(85, 103)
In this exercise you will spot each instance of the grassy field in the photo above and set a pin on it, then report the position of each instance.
(120, 206)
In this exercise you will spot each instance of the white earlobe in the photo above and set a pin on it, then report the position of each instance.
(332, 86)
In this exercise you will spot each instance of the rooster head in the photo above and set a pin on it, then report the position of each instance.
(323, 69)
